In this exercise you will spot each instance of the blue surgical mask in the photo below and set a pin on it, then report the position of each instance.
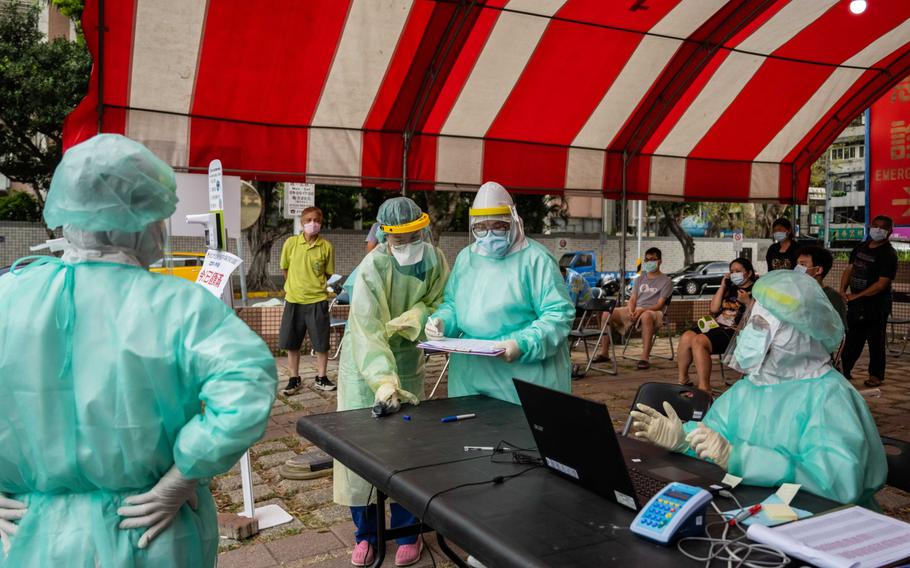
(751, 345)
(878, 234)
(649, 266)
(737, 278)
(800, 268)
(779, 237)
(494, 245)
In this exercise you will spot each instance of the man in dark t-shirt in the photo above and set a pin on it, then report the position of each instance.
(873, 265)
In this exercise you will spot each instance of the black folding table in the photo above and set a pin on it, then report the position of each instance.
(537, 519)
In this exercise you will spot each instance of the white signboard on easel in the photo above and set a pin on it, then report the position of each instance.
(297, 197)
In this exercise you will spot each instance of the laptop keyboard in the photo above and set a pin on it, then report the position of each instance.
(645, 486)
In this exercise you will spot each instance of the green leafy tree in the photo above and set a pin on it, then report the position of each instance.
(262, 236)
(671, 215)
(19, 206)
(72, 9)
(40, 83)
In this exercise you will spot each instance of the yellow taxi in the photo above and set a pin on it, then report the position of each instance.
(185, 265)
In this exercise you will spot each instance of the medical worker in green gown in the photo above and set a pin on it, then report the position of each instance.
(394, 289)
(105, 449)
(507, 288)
(793, 418)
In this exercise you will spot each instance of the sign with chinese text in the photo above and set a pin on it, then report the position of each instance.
(889, 155)
(297, 197)
(216, 270)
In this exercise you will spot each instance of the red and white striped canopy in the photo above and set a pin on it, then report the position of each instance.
(727, 100)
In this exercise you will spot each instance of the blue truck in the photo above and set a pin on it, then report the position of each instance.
(584, 262)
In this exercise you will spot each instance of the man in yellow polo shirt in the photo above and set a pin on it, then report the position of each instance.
(307, 260)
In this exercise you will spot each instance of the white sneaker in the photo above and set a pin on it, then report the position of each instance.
(474, 563)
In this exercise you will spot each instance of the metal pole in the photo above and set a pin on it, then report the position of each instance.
(829, 187)
(622, 234)
(100, 107)
(638, 253)
(404, 163)
(243, 293)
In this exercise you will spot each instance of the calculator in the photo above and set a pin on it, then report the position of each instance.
(678, 510)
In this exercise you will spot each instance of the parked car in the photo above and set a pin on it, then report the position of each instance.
(699, 277)
(583, 262)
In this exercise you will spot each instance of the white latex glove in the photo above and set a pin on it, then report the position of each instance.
(10, 512)
(664, 431)
(387, 399)
(511, 352)
(435, 329)
(708, 444)
(157, 507)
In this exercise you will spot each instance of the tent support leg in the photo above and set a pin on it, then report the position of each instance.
(623, 215)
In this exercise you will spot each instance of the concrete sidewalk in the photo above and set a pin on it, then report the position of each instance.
(322, 535)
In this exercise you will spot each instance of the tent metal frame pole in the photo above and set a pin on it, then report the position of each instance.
(623, 215)
(404, 163)
(101, 30)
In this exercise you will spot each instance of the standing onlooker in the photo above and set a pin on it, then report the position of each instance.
(307, 260)
(816, 262)
(873, 265)
(782, 254)
(650, 293)
(372, 241)
(713, 334)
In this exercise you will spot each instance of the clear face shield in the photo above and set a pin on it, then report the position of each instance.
(407, 242)
(749, 347)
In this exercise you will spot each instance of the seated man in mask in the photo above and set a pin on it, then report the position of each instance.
(793, 418)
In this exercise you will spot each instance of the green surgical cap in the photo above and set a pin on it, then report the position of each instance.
(797, 299)
(396, 211)
(110, 183)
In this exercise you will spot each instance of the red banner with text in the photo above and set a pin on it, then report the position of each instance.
(889, 156)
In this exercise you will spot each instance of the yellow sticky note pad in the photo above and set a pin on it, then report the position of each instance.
(780, 512)
(788, 491)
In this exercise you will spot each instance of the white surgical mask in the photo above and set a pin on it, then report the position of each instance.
(311, 228)
(737, 278)
(649, 266)
(801, 269)
(779, 236)
(878, 234)
(408, 254)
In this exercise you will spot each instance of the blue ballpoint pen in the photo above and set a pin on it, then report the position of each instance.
(458, 417)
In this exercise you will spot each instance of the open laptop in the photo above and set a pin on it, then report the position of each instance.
(576, 439)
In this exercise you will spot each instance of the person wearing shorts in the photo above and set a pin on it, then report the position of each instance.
(650, 293)
(307, 261)
(714, 333)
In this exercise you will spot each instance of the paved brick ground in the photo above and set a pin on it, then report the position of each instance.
(321, 535)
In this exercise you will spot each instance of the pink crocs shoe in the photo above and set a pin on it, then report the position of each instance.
(408, 554)
(363, 554)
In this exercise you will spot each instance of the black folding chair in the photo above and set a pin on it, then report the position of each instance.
(593, 308)
(898, 454)
(664, 326)
(689, 403)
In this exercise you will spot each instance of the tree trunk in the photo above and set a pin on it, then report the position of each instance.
(441, 207)
(260, 238)
(684, 238)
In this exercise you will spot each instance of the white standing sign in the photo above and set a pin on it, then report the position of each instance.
(216, 190)
(216, 270)
(297, 197)
(737, 242)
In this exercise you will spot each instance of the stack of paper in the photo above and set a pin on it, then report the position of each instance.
(849, 538)
(481, 347)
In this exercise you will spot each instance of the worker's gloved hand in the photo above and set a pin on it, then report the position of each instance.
(708, 444)
(388, 399)
(406, 325)
(664, 431)
(157, 507)
(435, 329)
(511, 352)
(10, 513)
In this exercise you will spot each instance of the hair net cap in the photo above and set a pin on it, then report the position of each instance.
(798, 300)
(110, 183)
(396, 211)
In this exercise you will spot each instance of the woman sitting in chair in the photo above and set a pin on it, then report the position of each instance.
(712, 335)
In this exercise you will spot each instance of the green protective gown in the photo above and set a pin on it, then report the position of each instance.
(103, 372)
(389, 307)
(815, 432)
(521, 296)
